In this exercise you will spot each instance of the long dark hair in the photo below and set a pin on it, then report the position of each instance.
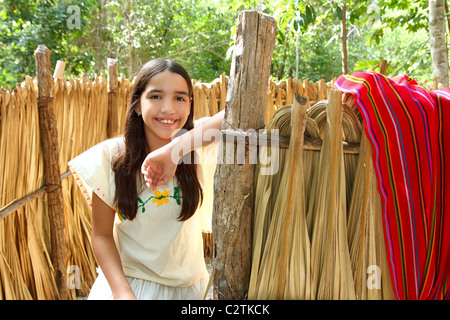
(127, 166)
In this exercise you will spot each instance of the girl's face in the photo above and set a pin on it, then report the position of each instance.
(165, 105)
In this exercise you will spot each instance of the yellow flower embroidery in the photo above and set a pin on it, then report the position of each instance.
(161, 198)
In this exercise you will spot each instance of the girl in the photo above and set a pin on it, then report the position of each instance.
(152, 248)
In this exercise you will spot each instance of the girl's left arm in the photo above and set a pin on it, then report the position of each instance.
(105, 249)
(160, 165)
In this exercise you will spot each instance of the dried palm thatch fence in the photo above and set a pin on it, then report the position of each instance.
(317, 222)
(210, 98)
(86, 111)
(79, 113)
(330, 231)
(313, 229)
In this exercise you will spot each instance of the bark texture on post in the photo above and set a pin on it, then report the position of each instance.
(113, 84)
(438, 43)
(383, 67)
(233, 182)
(50, 148)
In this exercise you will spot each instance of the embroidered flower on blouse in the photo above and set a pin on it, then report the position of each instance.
(161, 198)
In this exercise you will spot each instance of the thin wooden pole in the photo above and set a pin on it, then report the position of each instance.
(233, 187)
(17, 204)
(50, 148)
(267, 140)
(113, 84)
(383, 67)
(59, 70)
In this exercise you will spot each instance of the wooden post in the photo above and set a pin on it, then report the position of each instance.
(233, 182)
(50, 148)
(383, 67)
(113, 84)
(59, 70)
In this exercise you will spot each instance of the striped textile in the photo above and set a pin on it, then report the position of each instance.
(409, 130)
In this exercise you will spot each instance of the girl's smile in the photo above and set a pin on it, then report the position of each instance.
(167, 122)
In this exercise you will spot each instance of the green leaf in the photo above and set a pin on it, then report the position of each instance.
(339, 12)
(310, 16)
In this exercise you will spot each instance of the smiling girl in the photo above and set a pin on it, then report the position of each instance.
(147, 241)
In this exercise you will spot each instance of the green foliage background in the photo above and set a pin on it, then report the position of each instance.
(200, 35)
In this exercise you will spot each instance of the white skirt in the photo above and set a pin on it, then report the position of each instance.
(149, 290)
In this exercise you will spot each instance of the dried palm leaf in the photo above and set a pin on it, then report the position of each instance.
(280, 225)
(332, 278)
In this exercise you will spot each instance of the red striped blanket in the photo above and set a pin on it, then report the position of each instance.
(409, 130)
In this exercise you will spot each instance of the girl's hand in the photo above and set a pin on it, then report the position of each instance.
(159, 167)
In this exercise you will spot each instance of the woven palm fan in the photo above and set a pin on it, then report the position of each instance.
(14, 284)
(265, 195)
(78, 105)
(331, 271)
(354, 117)
(317, 113)
(366, 239)
(45, 285)
(322, 89)
(196, 96)
(311, 157)
(212, 100)
(15, 287)
(351, 133)
(279, 223)
(123, 98)
(200, 97)
(9, 114)
(2, 266)
(42, 284)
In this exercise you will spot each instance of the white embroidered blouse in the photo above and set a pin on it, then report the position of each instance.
(154, 246)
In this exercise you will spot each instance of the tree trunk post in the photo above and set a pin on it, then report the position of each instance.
(113, 85)
(383, 67)
(438, 43)
(50, 150)
(233, 181)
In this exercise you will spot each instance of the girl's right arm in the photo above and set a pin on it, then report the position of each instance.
(105, 249)
(160, 165)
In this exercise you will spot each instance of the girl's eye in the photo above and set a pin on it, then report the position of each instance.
(180, 99)
(155, 97)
